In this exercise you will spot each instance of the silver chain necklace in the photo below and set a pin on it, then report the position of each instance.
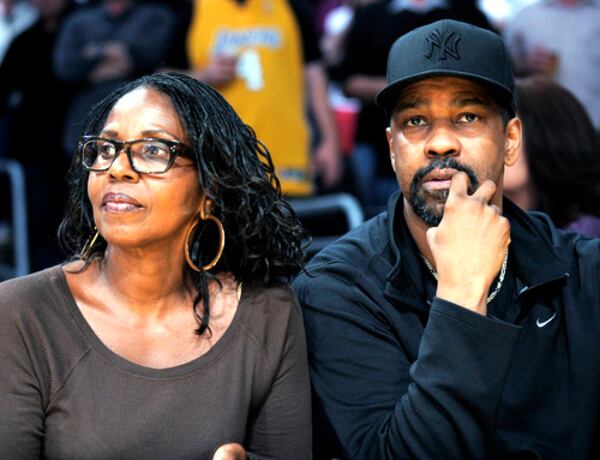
(500, 277)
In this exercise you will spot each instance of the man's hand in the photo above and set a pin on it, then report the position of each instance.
(469, 245)
(220, 71)
(232, 451)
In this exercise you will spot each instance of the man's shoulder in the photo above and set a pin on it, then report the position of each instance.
(357, 246)
(575, 248)
(350, 258)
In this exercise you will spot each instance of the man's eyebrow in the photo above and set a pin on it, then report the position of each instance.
(471, 100)
(459, 101)
(412, 103)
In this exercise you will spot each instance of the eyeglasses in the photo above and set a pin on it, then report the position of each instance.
(149, 156)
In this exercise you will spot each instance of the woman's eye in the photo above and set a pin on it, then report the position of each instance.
(105, 149)
(155, 150)
(468, 118)
(414, 121)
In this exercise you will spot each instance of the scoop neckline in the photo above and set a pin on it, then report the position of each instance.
(181, 370)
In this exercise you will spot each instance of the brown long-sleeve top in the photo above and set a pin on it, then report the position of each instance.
(64, 394)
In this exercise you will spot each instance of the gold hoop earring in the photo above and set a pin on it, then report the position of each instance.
(188, 256)
(89, 244)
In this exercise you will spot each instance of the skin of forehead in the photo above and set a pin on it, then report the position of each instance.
(470, 88)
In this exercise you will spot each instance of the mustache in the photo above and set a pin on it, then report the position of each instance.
(445, 163)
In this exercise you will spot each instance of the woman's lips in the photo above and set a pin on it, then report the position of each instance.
(120, 202)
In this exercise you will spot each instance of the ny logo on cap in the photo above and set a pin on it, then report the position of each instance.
(447, 45)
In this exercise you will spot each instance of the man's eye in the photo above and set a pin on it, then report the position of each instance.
(414, 121)
(468, 118)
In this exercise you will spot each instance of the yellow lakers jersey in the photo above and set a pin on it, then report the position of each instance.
(268, 92)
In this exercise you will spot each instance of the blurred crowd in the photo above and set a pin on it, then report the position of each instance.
(303, 74)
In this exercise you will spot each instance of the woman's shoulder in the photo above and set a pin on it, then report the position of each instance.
(37, 327)
(35, 301)
(30, 290)
(274, 302)
(271, 315)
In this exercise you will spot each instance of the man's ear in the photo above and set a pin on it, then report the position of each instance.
(513, 137)
(390, 139)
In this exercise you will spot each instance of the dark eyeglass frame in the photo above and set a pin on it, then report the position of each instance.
(176, 149)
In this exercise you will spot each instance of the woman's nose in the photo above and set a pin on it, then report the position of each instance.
(121, 167)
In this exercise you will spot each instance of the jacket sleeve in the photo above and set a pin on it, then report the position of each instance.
(379, 404)
(282, 428)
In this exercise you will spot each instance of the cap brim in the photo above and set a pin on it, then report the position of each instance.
(388, 96)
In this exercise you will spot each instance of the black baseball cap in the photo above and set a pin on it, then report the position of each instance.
(449, 48)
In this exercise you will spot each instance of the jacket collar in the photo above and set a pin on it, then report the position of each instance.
(537, 261)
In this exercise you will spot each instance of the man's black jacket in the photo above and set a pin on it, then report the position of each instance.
(396, 375)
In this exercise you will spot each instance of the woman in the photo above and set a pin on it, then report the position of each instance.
(559, 169)
(168, 333)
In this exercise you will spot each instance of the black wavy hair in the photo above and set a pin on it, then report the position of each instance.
(263, 242)
(561, 148)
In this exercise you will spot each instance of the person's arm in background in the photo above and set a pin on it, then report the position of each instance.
(327, 153)
(140, 46)
(364, 87)
(148, 36)
(220, 69)
(75, 53)
(326, 157)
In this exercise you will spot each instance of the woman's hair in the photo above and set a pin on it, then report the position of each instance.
(263, 242)
(562, 150)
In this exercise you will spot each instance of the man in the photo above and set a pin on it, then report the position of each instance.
(454, 325)
(374, 30)
(260, 54)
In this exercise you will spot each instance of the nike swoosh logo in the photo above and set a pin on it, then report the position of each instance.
(543, 323)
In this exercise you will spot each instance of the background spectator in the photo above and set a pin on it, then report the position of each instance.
(104, 45)
(260, 55)
(32, 103)
(559, 168)
(559, 39)
(15, 17)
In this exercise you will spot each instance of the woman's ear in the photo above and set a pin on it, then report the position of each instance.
(206, 207)
(513, 137)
